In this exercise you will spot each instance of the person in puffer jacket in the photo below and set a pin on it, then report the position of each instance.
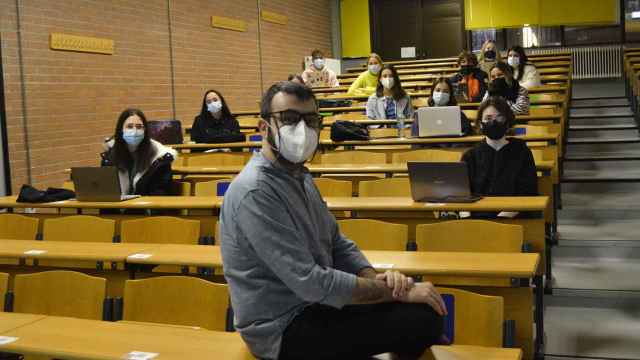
(144, 165)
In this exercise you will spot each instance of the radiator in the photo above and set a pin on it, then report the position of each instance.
(590, 62)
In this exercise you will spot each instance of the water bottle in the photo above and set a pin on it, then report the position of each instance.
(400, 127)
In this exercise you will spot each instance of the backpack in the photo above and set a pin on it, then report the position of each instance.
(347, 130)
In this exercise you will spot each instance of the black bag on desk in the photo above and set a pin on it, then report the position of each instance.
(348, 130)
(29, 194)
(333, 103)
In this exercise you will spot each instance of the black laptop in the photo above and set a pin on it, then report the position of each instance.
(440, 182)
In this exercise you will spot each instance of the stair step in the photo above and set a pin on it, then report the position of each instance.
(596, 268)
(598, 106)
(615, 227)
(584, 98)
(603, 134)
(620, 120)
(601, 148)
(600, 196)
(592, 115)
(604, 140)
(601, 157)
(603, 127)
(595, 328)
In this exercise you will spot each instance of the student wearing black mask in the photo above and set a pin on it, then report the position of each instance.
(488, 56)
(470, 82)
(504, 85)
(500, 166)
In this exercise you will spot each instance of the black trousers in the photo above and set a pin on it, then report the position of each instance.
(361, 331)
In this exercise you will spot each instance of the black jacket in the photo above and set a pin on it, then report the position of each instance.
(210, 131)
(155, 180)
(508, 172)
(479, 75)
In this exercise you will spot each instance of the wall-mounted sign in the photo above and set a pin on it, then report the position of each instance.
(228, 23)
(80, 43)
(274, 17)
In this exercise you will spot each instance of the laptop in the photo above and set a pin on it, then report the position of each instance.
(440, 182)
(439, 121)
(98, 184)
(166, 132)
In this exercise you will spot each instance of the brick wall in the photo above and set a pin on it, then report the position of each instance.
(72, 100)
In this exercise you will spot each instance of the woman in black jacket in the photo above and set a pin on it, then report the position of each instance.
(215, 124)
(144, 165)
(500, 166)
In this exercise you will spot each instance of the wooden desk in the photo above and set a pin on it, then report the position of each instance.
(467, 352)
(72, 338)
(145, 202)
(10, 321)
(551, 138)
(544, 166)
(69, 250)
(464, 264)
(406, 204)
(182, 255)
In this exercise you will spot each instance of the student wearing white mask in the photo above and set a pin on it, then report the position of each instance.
(367, 81)
(296, 283)
(144, 165)
(215, 123)
(390, 101)
(318, 74)
(523, 70)
(442, 95)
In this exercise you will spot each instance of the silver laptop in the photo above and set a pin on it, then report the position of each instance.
(439, 121)
(98, 184)
(441, 182)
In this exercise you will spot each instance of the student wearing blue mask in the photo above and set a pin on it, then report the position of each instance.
(144, 165)
(215, 124)
(442, 95)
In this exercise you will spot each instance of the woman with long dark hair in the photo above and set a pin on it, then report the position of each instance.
(390, 101)
(144, 165)
(215, 123)
(523, 70)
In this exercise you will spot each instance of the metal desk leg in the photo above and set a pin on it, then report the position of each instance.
(539, 317)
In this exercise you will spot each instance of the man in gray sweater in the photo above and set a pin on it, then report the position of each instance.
(299, 288)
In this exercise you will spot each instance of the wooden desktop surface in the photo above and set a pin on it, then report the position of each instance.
(71, 338)
(468, 352)
(10, 321)
(497, 203)
(145, 202)
(323, 169)
(70, 250)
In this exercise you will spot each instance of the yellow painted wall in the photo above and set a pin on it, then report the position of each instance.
(354, 23)
(485, 14)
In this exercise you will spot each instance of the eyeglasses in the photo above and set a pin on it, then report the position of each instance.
(134, 126)
(292, 117)
(492, 118)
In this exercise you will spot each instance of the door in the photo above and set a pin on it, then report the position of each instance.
(395, 24)
(434, 27)
(443, 28)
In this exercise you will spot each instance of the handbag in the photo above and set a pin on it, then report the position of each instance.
(347, 130)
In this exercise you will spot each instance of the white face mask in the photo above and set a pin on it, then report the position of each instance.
(318, 63)
(387, 83)
(374, 69)
(214, 107)
(440, 98)
(296, 143)
(513, 61)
